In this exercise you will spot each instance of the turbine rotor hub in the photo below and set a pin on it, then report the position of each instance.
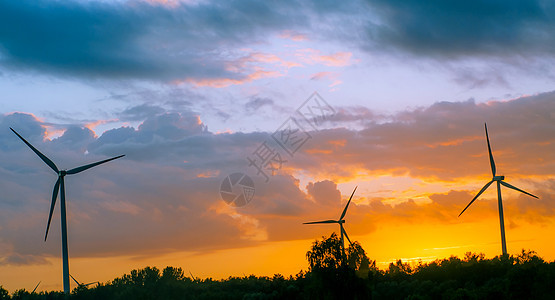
(63, 173)
(341, 221)
(498, 178)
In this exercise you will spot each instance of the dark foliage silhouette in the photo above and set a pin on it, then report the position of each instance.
(333, 276)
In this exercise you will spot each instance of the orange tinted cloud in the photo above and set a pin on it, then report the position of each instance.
(445, 141)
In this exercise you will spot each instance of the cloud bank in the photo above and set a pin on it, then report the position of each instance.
(201, 43)
(164, 195)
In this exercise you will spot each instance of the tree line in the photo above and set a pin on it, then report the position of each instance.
(334, 274)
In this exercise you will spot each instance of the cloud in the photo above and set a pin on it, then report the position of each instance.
(257, 102)
(256, 74)
(294, 36)
(140, 112)
(312, 56)
(324, 192)
(135, 39)
(167, 186)
(444, 141)
(18, 259)
(462, 28)
(203, 43)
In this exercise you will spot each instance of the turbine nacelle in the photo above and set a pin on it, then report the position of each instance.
(498, 178)
(62, 173)
(341, 221)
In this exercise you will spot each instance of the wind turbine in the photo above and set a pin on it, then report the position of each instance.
(499, 179)
(192, 276)
(340, 222)
(81, 284)
(61, 187)
(36, 286)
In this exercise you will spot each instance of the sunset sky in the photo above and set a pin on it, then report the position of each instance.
(189, 90)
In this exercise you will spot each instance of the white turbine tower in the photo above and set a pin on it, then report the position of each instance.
(499, 180)
(61, 187)
(340, 222)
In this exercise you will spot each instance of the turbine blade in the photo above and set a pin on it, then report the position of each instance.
(192, 277)
(87, 284)
(516, 189)
(75, 280)
(347, 206)
(492, 163)
(42, 156)
(322, 222)
(52, 204)
(345, 233)
(476, 197)
(35, 287)
(85, 167)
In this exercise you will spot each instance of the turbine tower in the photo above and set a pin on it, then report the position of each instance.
(340, 222)
(499, 179)
(61, 187)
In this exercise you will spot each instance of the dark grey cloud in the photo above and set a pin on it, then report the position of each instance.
(18, 259)
(462, 28)
(76, 137)
(141, 40)
(256, 103)
(133, 39)
(140, 112)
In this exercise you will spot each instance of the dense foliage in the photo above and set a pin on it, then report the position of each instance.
(333, 275)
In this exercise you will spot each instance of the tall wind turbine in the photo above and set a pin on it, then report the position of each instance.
(340, 222)
(61, 187)
(499, 179)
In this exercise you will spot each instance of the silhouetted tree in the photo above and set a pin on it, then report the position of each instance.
(325, 254)
(4, 293)
(333, 274)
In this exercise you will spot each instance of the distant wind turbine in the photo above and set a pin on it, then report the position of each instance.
(81, 284)
(36, 286)
(60, 186)
(500, 182)
(340, 222)
(192, 276)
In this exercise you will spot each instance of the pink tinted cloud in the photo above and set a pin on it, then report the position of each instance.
(322, 75)
(259, 57)
(225, 82)
(313, 56)
(292, 35)
(331, 76)
(254, 66)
